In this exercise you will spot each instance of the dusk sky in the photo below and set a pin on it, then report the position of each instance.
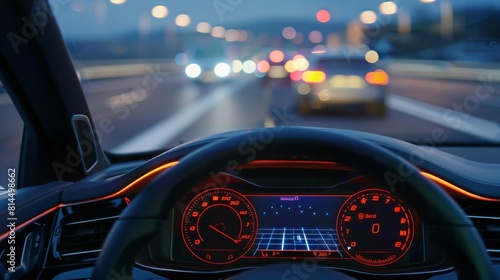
(97, 18)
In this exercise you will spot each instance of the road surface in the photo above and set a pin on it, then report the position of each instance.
(164, 109)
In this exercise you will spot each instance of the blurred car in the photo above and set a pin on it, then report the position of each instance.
(277, 68)
(343, 81)
(208, 65)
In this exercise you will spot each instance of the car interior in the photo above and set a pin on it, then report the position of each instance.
(278, 202)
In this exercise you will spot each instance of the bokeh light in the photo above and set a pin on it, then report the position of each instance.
(244, 36)
(276, 56)
(181, 58)
(368, 17)
(371, 56)
(203, 27)
(319, 49)
(263, 66)
(237, 66)
(218, 32)
(388, 8)
(302, 62)
(323, 16)
(182, 20)
(117, 2)
(303, 89)
(159, 11)
(232, 35)
(193, 70)
(222, 69)
(289, 33)
(291, 66)
(249, 66)
(315, 37)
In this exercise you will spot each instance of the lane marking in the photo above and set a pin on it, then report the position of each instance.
(165, 131)
(283, 240)
(270, 238)
(478, 127)
(5, 99)
(305, 238)
(324, 241)
(129, 84)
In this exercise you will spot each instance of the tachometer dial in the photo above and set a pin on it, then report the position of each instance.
(219, 226)
(375, 228)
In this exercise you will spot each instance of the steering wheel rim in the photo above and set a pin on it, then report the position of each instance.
(145, 215)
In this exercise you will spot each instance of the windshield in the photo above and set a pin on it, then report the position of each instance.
(160, 73)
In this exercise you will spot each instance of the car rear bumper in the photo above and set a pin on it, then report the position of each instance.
(346, 96)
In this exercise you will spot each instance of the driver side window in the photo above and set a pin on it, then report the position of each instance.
(11, 132)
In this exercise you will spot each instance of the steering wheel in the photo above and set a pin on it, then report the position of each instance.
(447, 224)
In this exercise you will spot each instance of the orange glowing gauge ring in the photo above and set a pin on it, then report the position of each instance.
(219, 226)
(375, 228)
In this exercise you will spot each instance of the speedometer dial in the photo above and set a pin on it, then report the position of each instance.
(219, 226)
(375, 228)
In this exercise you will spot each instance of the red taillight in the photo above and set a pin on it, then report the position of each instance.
(313, 77)
(378, 77)
(296, 76)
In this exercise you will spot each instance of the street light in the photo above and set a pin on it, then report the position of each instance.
(117, 2)
(446, 17)
(203, 27)
(368, 17)
(388, 8)
(182, 20)
(218, 32)
(159, 11)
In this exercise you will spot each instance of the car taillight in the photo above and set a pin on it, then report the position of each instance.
(378, 77)
(313, 77)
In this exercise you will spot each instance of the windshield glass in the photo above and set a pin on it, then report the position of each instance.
(160, 73)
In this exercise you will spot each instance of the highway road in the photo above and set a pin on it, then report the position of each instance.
(163, 109)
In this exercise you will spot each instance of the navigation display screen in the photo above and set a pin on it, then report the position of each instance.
(296, 223)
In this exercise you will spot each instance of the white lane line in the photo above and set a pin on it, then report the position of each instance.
(270, 238)
(324, 241)
(283, 240)
(305, 238)
(158, 135)
(458, 121)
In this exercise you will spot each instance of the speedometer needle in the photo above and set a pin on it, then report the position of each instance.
(224, 234)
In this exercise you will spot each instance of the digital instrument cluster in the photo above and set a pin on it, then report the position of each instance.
(222, 225)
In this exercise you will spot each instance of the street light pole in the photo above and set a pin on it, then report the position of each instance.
(446, 19)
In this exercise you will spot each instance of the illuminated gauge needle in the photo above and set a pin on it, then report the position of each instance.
(224, 234)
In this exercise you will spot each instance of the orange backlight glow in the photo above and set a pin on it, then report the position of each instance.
(313, 77)
(455, 190)
(377, 77)
(141, 180)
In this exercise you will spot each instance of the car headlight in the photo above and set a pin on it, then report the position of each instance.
(222, 70)
(193, 70)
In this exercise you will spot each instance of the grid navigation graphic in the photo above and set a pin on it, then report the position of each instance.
(296, 239)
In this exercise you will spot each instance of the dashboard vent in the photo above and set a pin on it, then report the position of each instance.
(489, 229)
(83, 229)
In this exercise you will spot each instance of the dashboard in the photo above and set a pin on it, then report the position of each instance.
(276, 211)
(221, 226)
(289, 208)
